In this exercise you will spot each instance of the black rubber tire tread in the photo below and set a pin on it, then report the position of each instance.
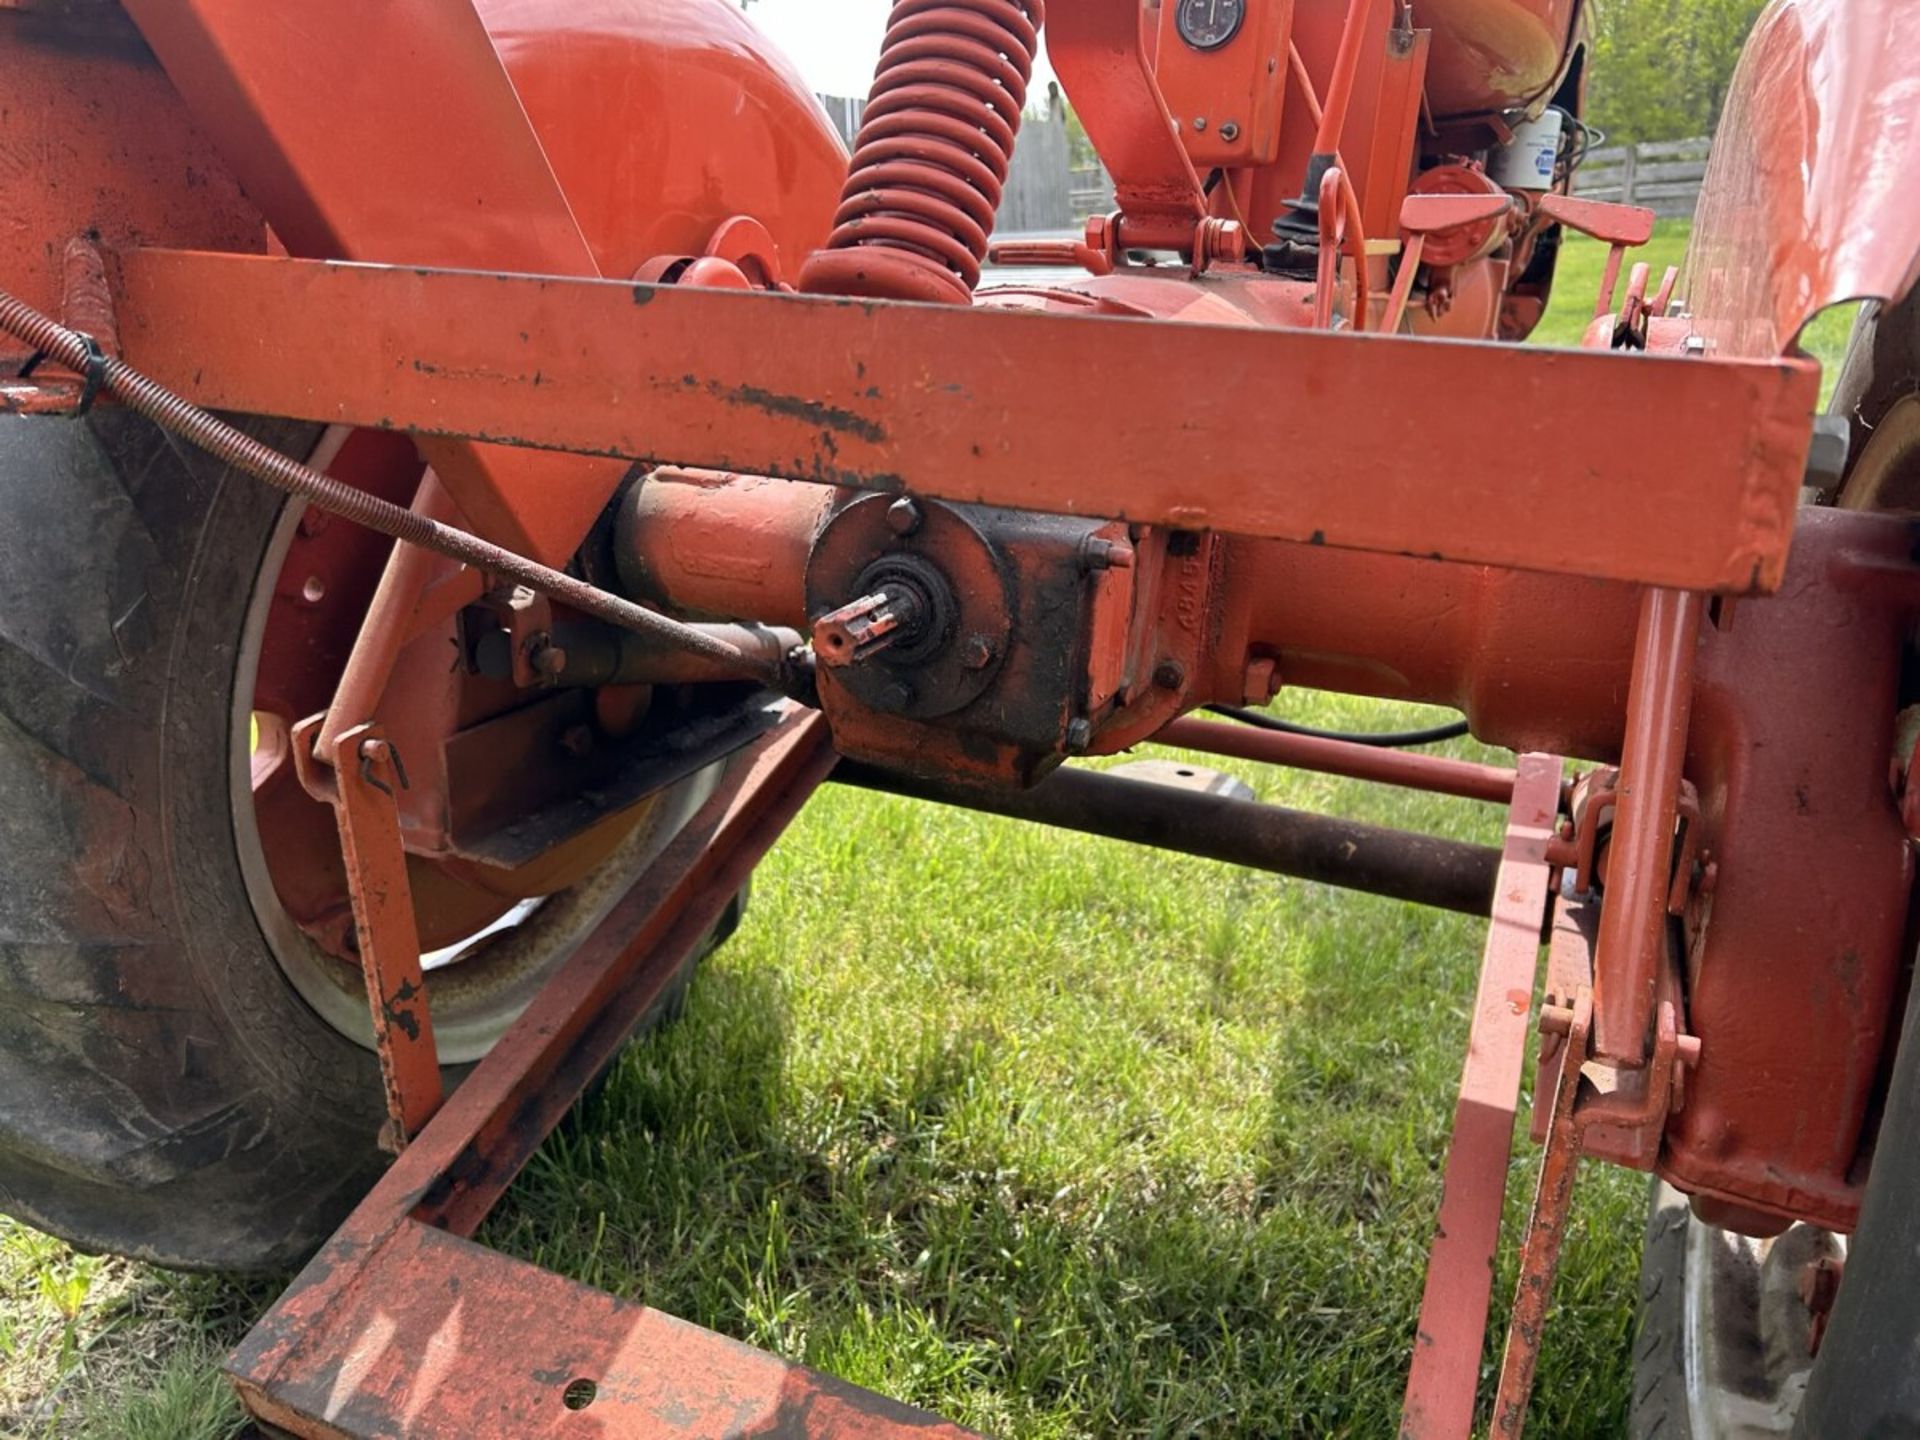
(164, 1093)
(1660, 1410)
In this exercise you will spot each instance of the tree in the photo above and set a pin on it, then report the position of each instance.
(1080, 152)
(1660, 68)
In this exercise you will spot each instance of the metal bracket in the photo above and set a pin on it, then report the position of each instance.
(365, 807)
(514, 1350)
(1546, 1227)
(1445, 1374)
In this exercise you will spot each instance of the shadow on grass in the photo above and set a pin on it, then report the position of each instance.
(881, 1232)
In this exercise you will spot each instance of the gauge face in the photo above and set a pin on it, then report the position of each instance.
(1209, 24)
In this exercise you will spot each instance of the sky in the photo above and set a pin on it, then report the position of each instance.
(834, 42)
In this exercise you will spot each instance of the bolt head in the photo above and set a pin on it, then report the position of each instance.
(977, 653)
(1079, 736)
(1261, 683)
(903, 516)
(545, 657)
(1230, 131)
(1169, 675)
(896, 697)
(1099, 553)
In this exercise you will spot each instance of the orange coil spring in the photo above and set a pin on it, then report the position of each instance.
(931, 158)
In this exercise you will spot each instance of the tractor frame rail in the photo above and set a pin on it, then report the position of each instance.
(923, 399)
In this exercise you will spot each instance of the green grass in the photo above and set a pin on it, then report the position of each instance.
(1053, 1136)
(106, 1349)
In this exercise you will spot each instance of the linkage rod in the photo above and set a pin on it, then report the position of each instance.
(1423, 869)
(78, 353)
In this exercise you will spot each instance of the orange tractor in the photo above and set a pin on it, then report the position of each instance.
(470, 469)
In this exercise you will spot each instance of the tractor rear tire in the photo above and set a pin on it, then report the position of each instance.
(1722, 1349)
(164, 1091)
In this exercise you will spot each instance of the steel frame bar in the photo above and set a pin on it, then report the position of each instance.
(1546, 1229)
(923, 398)
(1399, 864)
(1435, 774)
(389, 622)
(1569, 971)
(1640, 866)
(399, 1326)
(1445, 1374)
(368, 814)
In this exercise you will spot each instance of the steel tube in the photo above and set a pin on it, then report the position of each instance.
(1640, 863)
(704, 542)
(1433, 773)
(1346, 61)
(1446, 874)
(606, 655)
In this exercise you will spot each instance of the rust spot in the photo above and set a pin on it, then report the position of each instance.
(399, 1013)
(404, 1020)
(796, 407)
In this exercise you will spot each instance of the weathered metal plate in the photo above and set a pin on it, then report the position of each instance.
(442, 1339)
(396, 1328)
(514, 791)
(326, 113)
(1655, 469)
(1445, 1377)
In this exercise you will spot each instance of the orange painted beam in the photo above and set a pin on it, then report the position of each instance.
(1682, 472)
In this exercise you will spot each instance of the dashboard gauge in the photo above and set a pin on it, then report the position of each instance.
(1209, 24)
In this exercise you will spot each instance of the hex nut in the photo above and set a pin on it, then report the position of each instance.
(903, 516)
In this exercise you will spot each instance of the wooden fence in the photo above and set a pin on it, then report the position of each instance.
(1045, 193)
(1663, 175)
(1090, 192)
